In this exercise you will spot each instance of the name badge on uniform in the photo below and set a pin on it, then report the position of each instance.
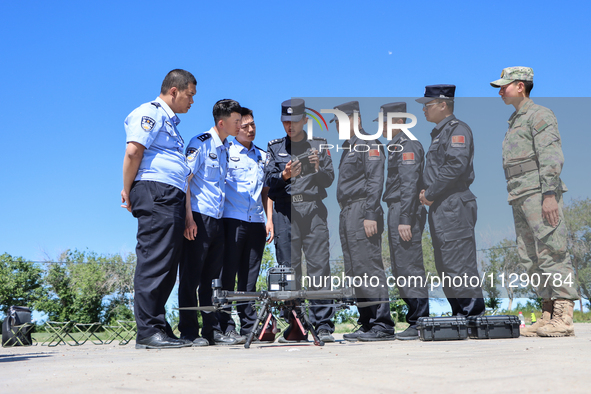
(147, 123)
(283, 154)
(235, 158)
(213, 156)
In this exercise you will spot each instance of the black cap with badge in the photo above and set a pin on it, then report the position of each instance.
(348, 108)
(293, 110)
(392, 107)
(433, 92)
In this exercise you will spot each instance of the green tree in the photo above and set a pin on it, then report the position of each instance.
(86, 287)
(268, 261)
(577, 216)
(502, 259)
(20, 283)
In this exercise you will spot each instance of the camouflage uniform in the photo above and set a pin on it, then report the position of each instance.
(533, 139)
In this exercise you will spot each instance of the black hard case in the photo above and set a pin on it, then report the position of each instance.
(493, 327)
(442, 328)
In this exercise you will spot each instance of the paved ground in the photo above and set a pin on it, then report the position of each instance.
(523, 365)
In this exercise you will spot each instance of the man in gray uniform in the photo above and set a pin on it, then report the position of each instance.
(298, 190)
(406, 220)
(449, 172)
(360, 185)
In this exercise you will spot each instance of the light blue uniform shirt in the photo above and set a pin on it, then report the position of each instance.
(244, 183)
(207, 157)
(153, 125)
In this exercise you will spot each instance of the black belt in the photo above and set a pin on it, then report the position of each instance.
(297, 198)
(345, 204)
(519, 169)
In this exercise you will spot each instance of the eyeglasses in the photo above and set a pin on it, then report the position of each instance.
(426, 105)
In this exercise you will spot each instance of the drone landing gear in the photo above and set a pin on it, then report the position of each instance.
(298, 326)
(297, 330)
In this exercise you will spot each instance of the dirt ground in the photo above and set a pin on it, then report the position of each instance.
(524, 365)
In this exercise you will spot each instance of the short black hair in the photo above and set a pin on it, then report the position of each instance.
(224, 108)
(179, 79)
(449, 103)
(246, 112)
(527, 85)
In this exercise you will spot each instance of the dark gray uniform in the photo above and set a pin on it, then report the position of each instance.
(403, 185)
(449, 172)
(299, 216)
(360, 186)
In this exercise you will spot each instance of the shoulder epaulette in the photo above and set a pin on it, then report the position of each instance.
(204, 137)
(453, 122)
(272, 142)
(320, 139)
(156, 104)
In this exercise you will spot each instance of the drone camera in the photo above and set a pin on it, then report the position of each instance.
(281, 278)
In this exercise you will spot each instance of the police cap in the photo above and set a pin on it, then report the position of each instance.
(433, 92)
(293, 110)
(348, 108)
(392, 107)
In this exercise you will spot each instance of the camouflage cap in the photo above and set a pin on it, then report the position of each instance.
(511, 74)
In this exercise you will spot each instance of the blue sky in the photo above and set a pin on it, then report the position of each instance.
(70, 74)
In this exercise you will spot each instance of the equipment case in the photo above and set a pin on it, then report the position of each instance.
(493, 327)
(442, 328)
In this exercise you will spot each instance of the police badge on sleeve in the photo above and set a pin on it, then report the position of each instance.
(192, 154)
(148, 123)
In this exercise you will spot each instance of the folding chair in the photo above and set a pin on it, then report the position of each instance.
(113, 333)
(17, 327)
(87, 332)
(128, 331)
(60, 334)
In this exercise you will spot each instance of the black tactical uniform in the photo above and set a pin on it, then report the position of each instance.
(403, 185)
(299, 216)
(360, 186)
(449, 172)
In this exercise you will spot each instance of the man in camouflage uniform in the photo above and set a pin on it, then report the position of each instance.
(532, 160)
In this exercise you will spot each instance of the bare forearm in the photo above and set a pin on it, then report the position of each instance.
(134, 154)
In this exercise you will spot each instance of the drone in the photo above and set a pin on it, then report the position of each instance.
(282, 295)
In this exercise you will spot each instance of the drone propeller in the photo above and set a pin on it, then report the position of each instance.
(207, 308)
(213, 308)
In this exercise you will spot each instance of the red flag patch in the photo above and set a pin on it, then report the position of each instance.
(458, 141)
(374, 153)
(408, 156)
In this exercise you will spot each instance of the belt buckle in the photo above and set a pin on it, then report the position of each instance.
(297, 198)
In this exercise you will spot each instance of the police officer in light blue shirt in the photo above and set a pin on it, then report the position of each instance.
(207, 156)
(154, 166)
(204, 228)
(153, 125)
(244, 223)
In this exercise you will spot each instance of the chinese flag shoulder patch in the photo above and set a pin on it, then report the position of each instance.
(458, 139)
(408, 156)
(374, 153)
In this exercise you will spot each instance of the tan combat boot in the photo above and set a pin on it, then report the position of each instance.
(531, 331)
(561, 324)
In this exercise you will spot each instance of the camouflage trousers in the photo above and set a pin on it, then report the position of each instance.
(542, 248)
